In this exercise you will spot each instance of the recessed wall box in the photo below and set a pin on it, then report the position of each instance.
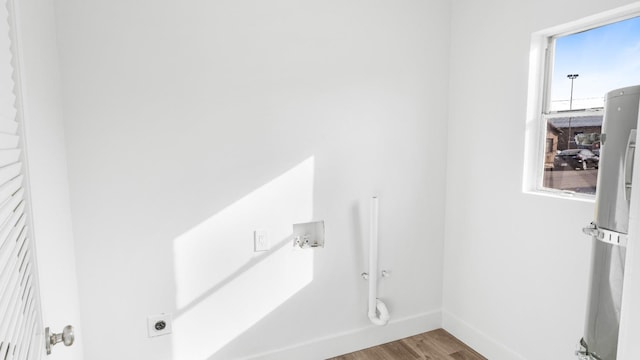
(308, 235)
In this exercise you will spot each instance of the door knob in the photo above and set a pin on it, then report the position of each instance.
(66, 337)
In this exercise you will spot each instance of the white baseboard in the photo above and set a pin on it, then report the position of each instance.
(358, 339)
(478, 340)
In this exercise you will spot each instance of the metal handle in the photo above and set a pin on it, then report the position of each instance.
(628, 164)
(66, 337)
(591, 230)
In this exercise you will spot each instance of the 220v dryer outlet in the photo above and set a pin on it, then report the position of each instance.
(159, 325)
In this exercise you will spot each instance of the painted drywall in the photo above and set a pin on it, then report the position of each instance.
(516, 265)
(191, 124)
(47, 168)
(629, 315)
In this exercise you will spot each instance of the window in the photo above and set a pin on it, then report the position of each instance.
(575, 67)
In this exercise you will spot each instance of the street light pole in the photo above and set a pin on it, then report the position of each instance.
(572, 77)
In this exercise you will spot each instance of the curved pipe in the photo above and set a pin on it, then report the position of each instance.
(378, 312)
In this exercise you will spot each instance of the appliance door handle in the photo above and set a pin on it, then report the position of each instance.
(628, 164)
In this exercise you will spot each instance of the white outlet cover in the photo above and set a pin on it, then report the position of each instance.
(260, 240)
(155, 324)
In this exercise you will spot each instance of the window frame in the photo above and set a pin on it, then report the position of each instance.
(541, 58)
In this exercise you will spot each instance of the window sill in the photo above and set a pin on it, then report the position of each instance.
(562, 194)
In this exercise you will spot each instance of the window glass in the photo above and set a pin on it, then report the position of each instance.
(594, 62)
(585, 66)
(572, 163)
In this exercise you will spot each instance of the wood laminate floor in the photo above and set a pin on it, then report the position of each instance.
(432, 345)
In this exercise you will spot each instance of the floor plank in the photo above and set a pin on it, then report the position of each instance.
(433, 345)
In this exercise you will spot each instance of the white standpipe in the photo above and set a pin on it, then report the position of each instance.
(378, 313)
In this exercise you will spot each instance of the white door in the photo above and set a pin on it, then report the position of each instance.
(38, 287)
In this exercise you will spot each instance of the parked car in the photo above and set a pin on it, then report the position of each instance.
(576, 159)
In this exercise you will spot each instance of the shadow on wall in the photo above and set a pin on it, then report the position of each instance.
(319, 310)
(223, 287)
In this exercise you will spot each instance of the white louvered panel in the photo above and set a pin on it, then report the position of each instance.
(11, 229)
(8, 126)
(7, 97)
(9, 172)
(20, 323)
(25, 296)
(9, 249)
(16, 218)
(9, 277)
(14, 314)
(28, 320)
(10, 280)
(28, 328)
(10, 206)
(4, 349)
(9, 156)
(14, 303)
(23, 330)
(12, 277)
(7, 100)
(6, 306)
(18, 310)
(20, 314)
(10, 187)
(7, 109)
(26, 347)
(24, 268)
(26, 283)
(8, 141)
(30, 345)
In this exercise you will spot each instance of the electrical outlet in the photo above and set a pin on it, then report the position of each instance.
(260, 240)
(159, 325)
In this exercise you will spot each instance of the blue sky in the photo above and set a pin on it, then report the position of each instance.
(605, 58)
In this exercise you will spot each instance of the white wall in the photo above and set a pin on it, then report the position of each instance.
(48, 172)
(516, 265)
(630, 316)
(190, 124)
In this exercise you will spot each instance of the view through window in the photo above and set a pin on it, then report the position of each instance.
(585, 66)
